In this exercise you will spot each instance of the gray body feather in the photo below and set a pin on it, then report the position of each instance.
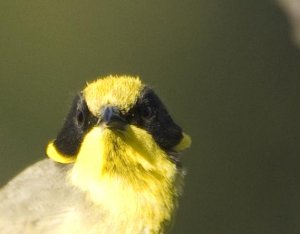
(39, 200)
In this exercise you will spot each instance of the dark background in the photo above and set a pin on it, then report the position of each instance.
(227, 71)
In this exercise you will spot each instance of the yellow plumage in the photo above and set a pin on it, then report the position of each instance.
(117, 91)
(134, 182)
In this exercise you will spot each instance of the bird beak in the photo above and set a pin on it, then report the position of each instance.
(113, 119)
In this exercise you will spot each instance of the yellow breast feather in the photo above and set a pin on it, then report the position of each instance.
(129, 175)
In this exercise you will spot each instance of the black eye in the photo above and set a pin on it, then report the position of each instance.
(146, 112)
(80, 118)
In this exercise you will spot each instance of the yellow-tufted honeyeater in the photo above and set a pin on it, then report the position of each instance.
(114, 167)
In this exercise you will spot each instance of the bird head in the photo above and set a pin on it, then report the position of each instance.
(118, 128)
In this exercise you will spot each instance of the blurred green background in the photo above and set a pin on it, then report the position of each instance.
(227, 71)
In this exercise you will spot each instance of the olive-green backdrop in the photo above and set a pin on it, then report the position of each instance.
(226, 70)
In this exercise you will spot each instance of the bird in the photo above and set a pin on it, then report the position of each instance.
(114, 167)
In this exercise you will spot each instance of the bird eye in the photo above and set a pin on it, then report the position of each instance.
(80, 118)
(132, 115)
(146, 112)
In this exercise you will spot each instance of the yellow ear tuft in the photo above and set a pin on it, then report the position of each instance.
(52, 153)
(185, 142)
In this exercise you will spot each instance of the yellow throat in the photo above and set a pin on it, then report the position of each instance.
(134, 183)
